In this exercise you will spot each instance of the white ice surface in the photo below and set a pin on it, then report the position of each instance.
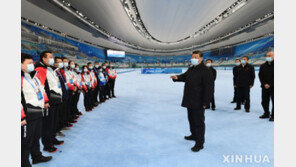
(145, 126)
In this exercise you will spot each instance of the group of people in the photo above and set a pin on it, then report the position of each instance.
(50, 91)
(243, 81)
(200, 84)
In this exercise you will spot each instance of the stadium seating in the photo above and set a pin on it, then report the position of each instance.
(83, 53)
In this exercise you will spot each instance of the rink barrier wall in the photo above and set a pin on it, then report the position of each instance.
(161, 70)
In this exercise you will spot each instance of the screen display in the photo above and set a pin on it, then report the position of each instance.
(115, 54)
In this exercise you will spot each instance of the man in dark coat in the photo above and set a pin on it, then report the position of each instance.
(235, 72)
(198, 91)
(266, 76)
(244, 82)
(214, 72)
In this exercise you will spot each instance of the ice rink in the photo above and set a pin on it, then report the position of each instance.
(145, 126)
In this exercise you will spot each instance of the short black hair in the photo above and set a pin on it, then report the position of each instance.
(56, 58)
(238, 59)
(26, 56)
(76, 65)
(210, 60)
(97, 62)
(246, 57)
(43, 54)
(84, 66)
(89, 63)
(198, 52)
(71, 62)
(63, 58)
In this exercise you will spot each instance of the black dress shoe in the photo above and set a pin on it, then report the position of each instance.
(50, 149)
(213, 109)
(58, 142)
(233, 102)
(237, 108)
(196, 148)
(191, 137)
(114, 96)
(247, 110)
(264, 116)
(271, 119)
(41, 159)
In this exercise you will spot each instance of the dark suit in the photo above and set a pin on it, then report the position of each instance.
(198, 91)
(266, 76)
(235, 73)
(214, 72)
(245, 78)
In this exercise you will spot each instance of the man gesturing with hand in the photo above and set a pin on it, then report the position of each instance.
(198, 91)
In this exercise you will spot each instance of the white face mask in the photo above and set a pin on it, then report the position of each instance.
(77, 69)
(97, 66)
(104, 67)
(243, 62)
(30, 67)
(194, 61)
(269, 59)
(237, 63)
(66, 65)
(85, 70)
(61, 65)
(51, 61)
(209, 64)
(72, 66)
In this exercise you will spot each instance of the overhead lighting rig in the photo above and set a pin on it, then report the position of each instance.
(131, 9)
(132, 12)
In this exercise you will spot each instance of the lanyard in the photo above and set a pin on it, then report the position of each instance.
(30, 82)
(61, 76)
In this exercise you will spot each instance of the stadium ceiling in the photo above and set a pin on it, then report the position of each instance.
(156, 27)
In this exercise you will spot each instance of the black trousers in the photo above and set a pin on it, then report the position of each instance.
(196, 118)
(112, 84)
(107, 90)
(96, 93)
(101, 93)
(48, 125)
(62, 116)
(75, 102)
(235, 94)
(87, 100)
(56, 122)
(243, 93)
(268, 94)
(30, 137)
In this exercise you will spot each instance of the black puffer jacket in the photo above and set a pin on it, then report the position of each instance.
(199, 86)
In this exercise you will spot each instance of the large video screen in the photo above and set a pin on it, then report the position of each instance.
(115, 54)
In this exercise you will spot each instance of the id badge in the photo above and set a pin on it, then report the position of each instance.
(39, 95)
(80, 84)
(59, 85)
(71, 81)
(67, 88)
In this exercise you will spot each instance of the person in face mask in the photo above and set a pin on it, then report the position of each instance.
(96, 71)
(102, 83)
(235, 72)
(198, 91)
(112, 74)
(106, 87)
(94, 97)
(61, 118)
(244, 82)
(209, 63)
(51, 83)
(266, 76)
(33, 99)
(78, 84)
(86, 87)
